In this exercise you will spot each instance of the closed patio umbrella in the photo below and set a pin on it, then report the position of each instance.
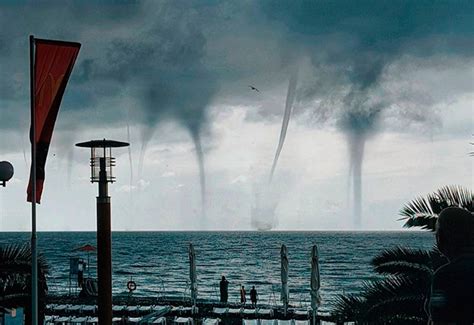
(284, 277)
(315, 282)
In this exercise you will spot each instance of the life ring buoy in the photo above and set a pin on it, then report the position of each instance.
(131, 285)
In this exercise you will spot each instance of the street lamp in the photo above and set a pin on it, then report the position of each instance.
(101, 172)
(6, 172)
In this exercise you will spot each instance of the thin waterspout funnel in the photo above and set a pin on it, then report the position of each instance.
(192, 273)
(284, 277)
(290, 98)
(315, 282)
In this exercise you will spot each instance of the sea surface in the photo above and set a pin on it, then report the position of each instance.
(158, 261)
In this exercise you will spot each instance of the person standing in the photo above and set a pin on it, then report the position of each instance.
(253, 296)
(243, 295)
(80, 273)
(224, 288)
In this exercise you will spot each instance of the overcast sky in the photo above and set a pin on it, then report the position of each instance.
(172, 77)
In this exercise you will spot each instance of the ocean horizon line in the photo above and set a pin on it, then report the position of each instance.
(230, 231)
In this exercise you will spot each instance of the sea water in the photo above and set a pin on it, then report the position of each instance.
(158, 261)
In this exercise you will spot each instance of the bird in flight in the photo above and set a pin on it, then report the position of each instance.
(254, 88)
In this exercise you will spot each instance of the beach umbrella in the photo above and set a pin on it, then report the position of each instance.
(88, 249)
(284, 277)
(315, 282)
(192, 273)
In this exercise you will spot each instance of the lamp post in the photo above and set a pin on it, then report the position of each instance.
(101, 172)
(6, 172)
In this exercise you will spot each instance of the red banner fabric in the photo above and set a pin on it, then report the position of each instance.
(53, 64)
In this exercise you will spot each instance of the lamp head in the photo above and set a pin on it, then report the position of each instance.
(6, 172)
(101, 157)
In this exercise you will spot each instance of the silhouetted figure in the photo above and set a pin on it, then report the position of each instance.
(243, 295)
(253, 296)
(224, 286)
(80, 274)
(452, 289)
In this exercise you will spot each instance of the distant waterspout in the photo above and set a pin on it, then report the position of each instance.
(263, 212)
(202, 172)
(290, 98)
(356, 144)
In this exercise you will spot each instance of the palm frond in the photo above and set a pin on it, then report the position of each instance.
(398, 310)
(393, 286)
(423, 211)
(416, 270)
(457, 196)
(400, 253)
(400, 298)
(346, 308)
(425, 222)
(393, 300)
(17, 258)
(15, 271)
(15, 279)
(417, 263)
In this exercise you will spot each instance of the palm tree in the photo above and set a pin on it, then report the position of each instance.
(15, 278)
(423, 211)
(399, 297)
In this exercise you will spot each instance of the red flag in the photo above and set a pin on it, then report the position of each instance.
(53, 64)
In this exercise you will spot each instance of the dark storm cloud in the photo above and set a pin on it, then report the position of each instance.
(123, 46)
(352, 43)
(160, 67)
(173, 58)
(140, 64)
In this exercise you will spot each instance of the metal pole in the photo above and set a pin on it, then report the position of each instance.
(104, 248)
(34, 258)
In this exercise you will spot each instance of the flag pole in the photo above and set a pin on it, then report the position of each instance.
(34, 257)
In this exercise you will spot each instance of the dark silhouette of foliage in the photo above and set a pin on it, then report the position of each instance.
(15, 278)
(423, 211)
(417, 263)
(399, 297)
